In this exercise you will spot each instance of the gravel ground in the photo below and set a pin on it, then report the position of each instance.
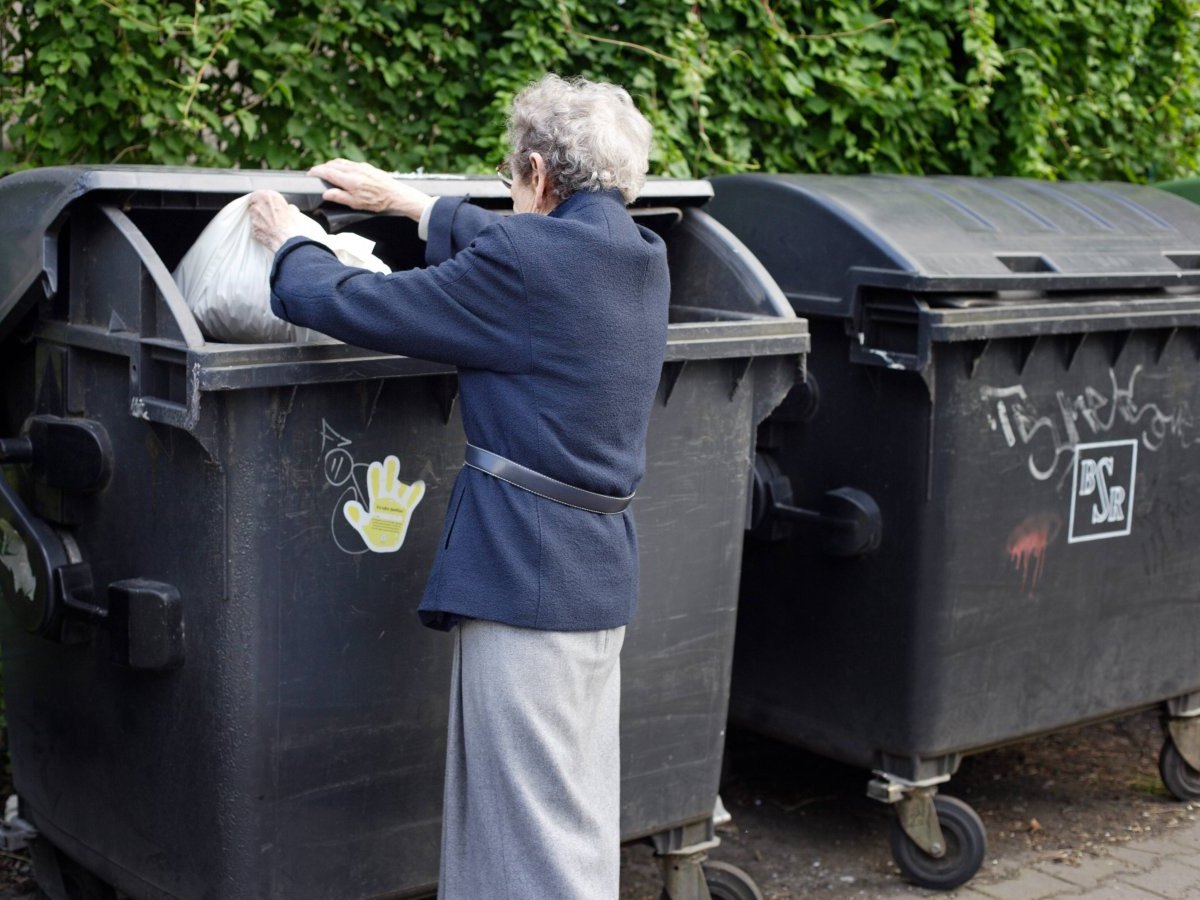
(803, 828)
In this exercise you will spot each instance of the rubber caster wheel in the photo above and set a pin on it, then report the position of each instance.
(726, 882)
(966, 845)
(1180, 778)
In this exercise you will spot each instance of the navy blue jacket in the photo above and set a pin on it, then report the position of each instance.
(557, 325)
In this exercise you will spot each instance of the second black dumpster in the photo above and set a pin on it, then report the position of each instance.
(215, 689)
(1004, 375)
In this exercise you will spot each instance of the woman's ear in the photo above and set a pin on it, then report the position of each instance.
(539, 180)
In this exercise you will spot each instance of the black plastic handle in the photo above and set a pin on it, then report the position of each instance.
(70, 454)
(73, 454)
(144, 618)
(849, 520)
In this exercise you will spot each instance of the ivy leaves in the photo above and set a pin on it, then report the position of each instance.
(1050, 88)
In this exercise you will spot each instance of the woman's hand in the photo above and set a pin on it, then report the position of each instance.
(362, 186)
(272, 219)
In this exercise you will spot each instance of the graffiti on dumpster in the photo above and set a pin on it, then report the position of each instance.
(1049, 438)
(1027, 545)
(381, 513)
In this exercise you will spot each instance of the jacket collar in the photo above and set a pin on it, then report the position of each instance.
(581, 199)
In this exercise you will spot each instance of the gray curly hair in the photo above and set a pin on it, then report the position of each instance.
(589, 133)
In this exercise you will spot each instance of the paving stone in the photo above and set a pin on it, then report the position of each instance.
(1170, 878)
(963, 893)
(1032, 884)
(1187, 838)
(1090, 872)
(1114, 890)
(1189, 859)
(1163, 846)
(1131, 858)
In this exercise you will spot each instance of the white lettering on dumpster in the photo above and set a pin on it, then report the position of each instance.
(1102, 496)
(381, 514)
(1092, 474)
(1050, 438)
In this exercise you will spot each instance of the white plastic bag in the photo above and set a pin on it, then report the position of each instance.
(225, 277)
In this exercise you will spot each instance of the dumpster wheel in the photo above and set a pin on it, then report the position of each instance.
(1179, 777)
(966, 844)
(726, 882)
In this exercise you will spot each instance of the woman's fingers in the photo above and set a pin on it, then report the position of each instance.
(337, 195)
(363, 186)
(269, 215)
(332, 173)
(351, 185)
(337, 170)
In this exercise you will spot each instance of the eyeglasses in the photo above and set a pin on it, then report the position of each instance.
(504, 173)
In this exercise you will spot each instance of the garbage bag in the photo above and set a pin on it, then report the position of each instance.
(225, 277)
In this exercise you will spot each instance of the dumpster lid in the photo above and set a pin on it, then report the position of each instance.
(1189, 188)
(33, 201)
(825, 237)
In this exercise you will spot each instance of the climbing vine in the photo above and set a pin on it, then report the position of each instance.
(1068, 89)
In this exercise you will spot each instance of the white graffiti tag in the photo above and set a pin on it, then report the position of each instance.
(1051, 437)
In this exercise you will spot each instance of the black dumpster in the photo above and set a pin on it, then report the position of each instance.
(214, 688)
(1188, 188)
(978, 520)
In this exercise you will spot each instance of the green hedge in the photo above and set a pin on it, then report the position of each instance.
(1049, 88)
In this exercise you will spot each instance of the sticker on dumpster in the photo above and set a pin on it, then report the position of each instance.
(1102, 492)
(14, 559)
(381, 513)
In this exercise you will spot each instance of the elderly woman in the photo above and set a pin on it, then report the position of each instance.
(556, 318)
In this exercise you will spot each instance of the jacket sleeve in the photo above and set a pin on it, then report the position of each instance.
(470, 311)
(453, 224)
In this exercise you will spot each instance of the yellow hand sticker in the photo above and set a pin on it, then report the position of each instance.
(384, 523)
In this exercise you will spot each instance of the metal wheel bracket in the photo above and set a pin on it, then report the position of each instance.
(682, 852)
(686, 840)
(1184, 707)
(1185, 735)
(683, 876)
(919, 819)
(889, 788)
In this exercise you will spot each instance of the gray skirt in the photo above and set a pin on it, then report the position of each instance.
(532, 806)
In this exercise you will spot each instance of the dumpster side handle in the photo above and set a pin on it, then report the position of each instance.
(46, 583)
(850, 518)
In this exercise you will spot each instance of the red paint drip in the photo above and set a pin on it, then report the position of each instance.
(1027, 548)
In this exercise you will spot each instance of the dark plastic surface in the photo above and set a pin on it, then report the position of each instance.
(146, 625)
(1188, 188)
(828, 239)
(303, 734)
(1031, 574)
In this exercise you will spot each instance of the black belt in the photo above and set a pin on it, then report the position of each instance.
(543, 485)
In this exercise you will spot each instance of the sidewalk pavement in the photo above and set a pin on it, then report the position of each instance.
(1164, 866)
